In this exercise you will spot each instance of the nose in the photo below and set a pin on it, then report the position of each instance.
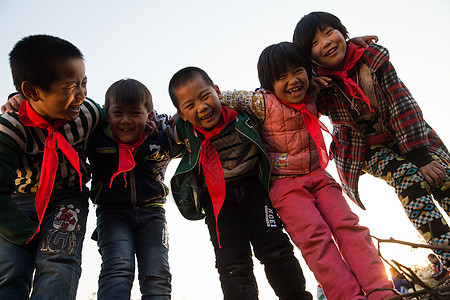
(80, 92)
(292, 79)
(326, 42)
(202, 106)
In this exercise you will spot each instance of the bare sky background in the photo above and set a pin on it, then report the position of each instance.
(151, 40)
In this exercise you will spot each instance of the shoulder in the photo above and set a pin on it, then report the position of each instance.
(375, 56)
(12, 131)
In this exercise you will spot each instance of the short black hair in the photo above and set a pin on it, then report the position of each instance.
(306, 28)
(183, 76)
(277, 58)
(129, 92)
(35, 59)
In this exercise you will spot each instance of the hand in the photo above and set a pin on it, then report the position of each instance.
(434, 173)
(173, 120)
(13, 104)
(322, 80)
(364, 41)
(152, 129)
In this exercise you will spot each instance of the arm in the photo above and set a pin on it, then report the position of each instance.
(15, 226)
(364, 41)
(247, 101)
(406, 123)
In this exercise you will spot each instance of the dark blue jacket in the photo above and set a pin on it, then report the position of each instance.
(144, 183)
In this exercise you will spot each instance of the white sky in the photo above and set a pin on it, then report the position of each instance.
(151, 40)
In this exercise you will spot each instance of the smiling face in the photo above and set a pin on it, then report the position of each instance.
(292, 85)
(329, 48)
(127, 122)
(199, 103)
(62, 101)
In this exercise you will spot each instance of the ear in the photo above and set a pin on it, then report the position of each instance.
(181, 115)
(30, 91)
(150, 117)
(219, 94)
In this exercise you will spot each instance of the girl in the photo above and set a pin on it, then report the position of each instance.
(379, 126)
(309, 202)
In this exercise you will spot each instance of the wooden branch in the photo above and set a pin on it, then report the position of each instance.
(414, 245)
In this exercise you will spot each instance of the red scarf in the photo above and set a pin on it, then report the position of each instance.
(313, 126)
(352, 56)
(210, 162)
(126, 158)
(29, 117)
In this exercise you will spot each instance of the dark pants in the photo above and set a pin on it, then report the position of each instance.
(54, 254)
(247, 218)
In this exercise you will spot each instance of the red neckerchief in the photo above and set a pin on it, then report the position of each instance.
(29, 117)
(313, 126)
(210, 162)
(126, 158)
(352, 56)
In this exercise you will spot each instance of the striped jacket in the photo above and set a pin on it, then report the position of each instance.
(400, 114)
(21, 154)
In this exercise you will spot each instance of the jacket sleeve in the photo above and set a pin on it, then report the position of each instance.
(247, 101)
(405, 119)
(15, 226)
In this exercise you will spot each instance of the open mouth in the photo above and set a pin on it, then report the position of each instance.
(126, 130)
(331, 51)
(295, 91)
(75, 106)
(209, 115)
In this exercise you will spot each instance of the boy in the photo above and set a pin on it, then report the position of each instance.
(43, 197)
(225, 172)
(379, 126)
(439, 272)
(128, 167)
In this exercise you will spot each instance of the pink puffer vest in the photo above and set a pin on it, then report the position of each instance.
(290, 148)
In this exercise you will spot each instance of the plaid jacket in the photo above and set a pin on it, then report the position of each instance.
(401, 118)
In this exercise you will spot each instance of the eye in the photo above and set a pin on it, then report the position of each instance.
(206, 96)
(281, 76)
(299, 70)
(314, 43)
(329, 31)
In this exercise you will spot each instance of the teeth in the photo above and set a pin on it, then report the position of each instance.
(206, 117)
(330, 52)
(297, 89)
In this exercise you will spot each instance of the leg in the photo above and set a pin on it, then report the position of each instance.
(271, 245)
(412, 190)
(152, 252)
(353, 241)
(58, 259)
(309, 231)
(234, 258)
(116, 245)
(17, 262)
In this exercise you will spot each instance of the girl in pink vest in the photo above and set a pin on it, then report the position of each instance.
(309, 201)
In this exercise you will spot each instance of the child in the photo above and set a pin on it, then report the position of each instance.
(379, 126)
(128, 167)
(439, 272)
(43, 197)
(307, 199)
(401, 284)
(224, 172)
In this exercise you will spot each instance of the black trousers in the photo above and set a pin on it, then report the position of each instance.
(248, 219)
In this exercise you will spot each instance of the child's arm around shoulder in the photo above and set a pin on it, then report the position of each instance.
(250, 102)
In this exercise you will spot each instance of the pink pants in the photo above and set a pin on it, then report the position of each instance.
(335, 247)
